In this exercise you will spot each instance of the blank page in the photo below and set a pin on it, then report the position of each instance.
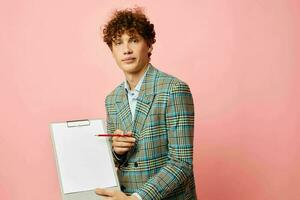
(84, 160)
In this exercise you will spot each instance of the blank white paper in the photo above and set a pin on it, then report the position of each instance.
(84, 159)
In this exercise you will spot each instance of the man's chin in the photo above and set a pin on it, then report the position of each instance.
(131, 67)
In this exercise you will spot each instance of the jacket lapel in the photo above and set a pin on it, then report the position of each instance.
(144, 101)
(123, 109)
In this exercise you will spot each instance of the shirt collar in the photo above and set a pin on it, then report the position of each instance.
(139, 85)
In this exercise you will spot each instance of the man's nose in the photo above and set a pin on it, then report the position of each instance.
(127, 48)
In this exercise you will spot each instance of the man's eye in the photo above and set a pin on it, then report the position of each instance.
(134, 40)
(117, 42)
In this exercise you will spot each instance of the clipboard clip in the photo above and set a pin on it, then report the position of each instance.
(77, 123)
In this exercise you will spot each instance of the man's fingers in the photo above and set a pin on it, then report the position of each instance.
(129, 133)
(104, 192)
(119, 150)
(126, 139)
(122, 148)
(123, 144)
(123, 139)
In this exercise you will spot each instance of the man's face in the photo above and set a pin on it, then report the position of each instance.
(131, 53)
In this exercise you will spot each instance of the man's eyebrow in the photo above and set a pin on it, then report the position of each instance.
(134, 36)
(131, 37)
(116, 39)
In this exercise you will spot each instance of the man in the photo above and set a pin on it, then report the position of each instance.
(155, 114)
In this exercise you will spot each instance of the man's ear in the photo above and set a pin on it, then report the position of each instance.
(150, 49)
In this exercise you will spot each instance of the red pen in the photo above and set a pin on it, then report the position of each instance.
(111, 135)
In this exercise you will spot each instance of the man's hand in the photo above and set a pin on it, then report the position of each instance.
(113, 194)
(122, 144)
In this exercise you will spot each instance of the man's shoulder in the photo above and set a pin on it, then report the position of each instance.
(167, 83)
(111, 97)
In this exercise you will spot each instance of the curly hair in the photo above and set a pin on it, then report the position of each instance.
(131, 21)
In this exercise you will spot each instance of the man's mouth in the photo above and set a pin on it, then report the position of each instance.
(128, 60)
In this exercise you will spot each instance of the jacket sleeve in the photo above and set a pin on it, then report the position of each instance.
(180, 126)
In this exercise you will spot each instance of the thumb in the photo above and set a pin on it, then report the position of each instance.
(103, 192)
(129, 133)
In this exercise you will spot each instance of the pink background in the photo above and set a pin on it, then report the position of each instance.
(240, 58)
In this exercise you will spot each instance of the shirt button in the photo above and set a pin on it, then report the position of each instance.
(136, 164)
(123, 188)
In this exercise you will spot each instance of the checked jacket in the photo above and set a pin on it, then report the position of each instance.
(160, 166)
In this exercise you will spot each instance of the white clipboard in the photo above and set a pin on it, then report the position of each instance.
(84, 161)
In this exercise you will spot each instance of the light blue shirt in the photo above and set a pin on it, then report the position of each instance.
(132, 95)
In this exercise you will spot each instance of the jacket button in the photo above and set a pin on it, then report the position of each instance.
(123, 188)
(126, 164)
(136, 164)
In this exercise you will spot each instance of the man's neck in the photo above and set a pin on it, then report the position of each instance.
(134, 78)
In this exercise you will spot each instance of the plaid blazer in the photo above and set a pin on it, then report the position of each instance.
(160, 164)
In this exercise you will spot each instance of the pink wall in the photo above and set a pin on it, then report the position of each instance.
(240, 57)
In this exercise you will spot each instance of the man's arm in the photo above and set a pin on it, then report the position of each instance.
(180, 126)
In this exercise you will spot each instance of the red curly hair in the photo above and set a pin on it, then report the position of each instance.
(131, 21)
